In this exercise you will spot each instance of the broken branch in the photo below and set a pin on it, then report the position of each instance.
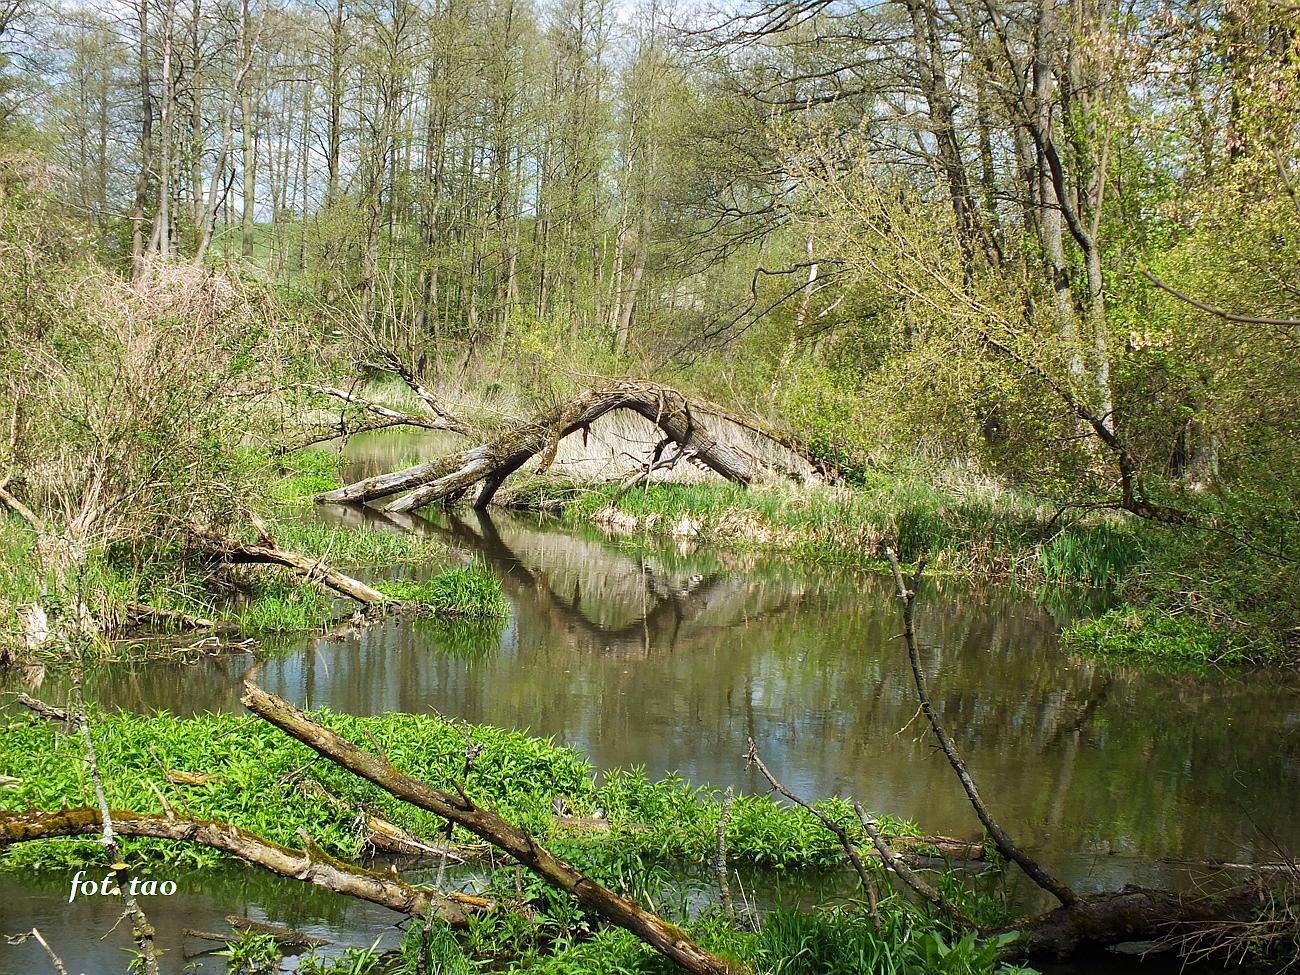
(666, 938)
(1001, 838)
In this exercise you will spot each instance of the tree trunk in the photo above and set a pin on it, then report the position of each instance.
(312, 865)
(495, 460)
(653, 930)
(267, 552)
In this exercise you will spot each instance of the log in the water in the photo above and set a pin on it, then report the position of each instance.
(1131, 914)
(494, 460)
(310, 864)
(266, 552)
(519, 844)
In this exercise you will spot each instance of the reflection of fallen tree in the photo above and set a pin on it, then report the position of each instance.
(739, 450)
(666, 612)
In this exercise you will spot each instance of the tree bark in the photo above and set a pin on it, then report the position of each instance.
(496, 459)
(266, 552)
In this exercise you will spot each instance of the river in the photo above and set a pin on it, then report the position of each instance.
(671, 655)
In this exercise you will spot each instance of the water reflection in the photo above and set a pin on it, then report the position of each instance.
(672, 656)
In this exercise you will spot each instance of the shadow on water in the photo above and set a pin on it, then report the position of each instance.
(669, 655)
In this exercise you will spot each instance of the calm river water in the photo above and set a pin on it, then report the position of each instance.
(670, 656)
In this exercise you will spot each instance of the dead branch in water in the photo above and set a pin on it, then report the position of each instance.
(310, 864)
(519, 844)
(495, 459)
(266, 552)
(850, 848)
(1005, 844)
(904, 873)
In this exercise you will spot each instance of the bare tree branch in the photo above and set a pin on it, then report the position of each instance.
(1005, 843)
(1219, 312)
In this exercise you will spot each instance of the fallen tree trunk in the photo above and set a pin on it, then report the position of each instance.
(653, 930)
(311, 864)
(1000, 837)
(496, 459)
(1131, 914)
(266, 552)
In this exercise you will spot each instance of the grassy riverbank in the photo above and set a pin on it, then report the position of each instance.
(242, 770)
(1195, 597)
(165, 585)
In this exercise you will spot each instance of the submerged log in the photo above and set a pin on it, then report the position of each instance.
(494, 460)
(1131, 914)
(310, 864)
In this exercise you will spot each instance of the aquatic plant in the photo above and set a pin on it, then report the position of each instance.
(469, 590)
(251, 953)
(1126, 632)
(243, 771)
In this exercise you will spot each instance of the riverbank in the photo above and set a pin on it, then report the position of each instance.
(623, 830)
(1167, 595)
(174, 587)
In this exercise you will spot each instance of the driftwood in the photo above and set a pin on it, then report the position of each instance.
(839, 832)
(310, 864)
(266, 552)
(284, 937)
(495, 459)
(459, 809)
(1131, 914)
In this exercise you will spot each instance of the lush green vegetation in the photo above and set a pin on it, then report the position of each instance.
(257, 775)
(840, 940)
(1124, 633)
(257, 778)
(469, 590)
(976, 527)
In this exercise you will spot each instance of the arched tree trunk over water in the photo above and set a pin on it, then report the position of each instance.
(491, 462)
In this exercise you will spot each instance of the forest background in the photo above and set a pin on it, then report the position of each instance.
(1035, 249)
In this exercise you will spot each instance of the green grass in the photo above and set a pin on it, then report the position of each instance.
(1127, 634)
(469, 591)
(303, 473)
(976, 530)
(361, 545)
(279, 603)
